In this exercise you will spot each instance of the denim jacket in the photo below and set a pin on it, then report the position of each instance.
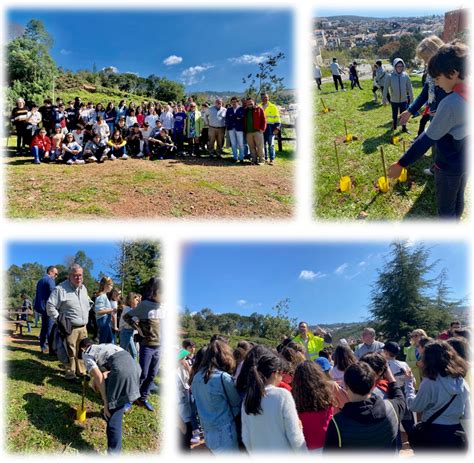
(216, 407)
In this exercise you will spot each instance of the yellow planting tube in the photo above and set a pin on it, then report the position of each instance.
(81, 414)
(345, 183)
(403, 176)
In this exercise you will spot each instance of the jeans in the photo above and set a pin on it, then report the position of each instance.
(46, 325)
(450, 194)
(114, 430)
(396, 107)
(268, 138)
(127, 343)
(237, 142)
(37, 153)
(337, 79)
(149, 363)
(105, 330)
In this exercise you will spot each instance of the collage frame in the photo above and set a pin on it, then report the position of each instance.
(174, 234)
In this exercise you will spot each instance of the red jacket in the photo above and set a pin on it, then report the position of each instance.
(315, 424)
(43, 143)
(259, 120)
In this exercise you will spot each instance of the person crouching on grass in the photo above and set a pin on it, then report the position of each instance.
(448, 131)
(116, 377)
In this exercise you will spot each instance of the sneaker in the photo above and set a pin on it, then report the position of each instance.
(112, 157)
(124, 156)
(428, 172)
(270, 162)
(195, 440)
(60, 158)
(140, 155)
(70, 162)
(92, 159)
(36, 161)
(127, 407)
(44, 350)
(103, 158)
(80, 161)
(70, 377)
(146, 404)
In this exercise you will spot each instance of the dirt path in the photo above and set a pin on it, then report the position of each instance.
(194, 187)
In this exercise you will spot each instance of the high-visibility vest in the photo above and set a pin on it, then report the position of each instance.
(315, 344)
(272, 114)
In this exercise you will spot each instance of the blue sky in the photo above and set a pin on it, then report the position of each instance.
(204, 49)
(101, 253)
(401, 11)
(326, 283)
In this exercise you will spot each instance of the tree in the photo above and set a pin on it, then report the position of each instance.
(266, 79)
(136, 262)
(30, 66)
(406, 49)
(402, 296)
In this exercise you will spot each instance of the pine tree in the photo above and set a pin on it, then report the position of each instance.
(405, 298)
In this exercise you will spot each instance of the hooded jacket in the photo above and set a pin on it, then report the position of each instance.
(398, 85)
(434, 394)
(368, 424)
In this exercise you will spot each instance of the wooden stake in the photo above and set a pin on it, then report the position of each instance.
(337, 160)
(345, 127)
(383, 163)
(324, 106)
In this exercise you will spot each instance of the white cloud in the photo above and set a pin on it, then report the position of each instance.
(193, 74)
(362, 263)
(341, 269)
(241, 302)
(111, 69)
(310, 275)
(250, 59)
(65, 52)
(172, 59)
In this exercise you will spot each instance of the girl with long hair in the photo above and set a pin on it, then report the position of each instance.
(269, 417)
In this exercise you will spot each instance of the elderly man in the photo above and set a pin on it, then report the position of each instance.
(272, 115)
(70, 301)
(44, 287)
(18, 118)
(369, 344)
(312, 343)
(216, 120)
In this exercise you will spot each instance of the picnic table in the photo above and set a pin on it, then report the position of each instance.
(14, 317)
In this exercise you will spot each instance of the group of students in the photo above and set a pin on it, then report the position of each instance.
(97, 341)
(442, 102)
(258, 399)
(83, 133)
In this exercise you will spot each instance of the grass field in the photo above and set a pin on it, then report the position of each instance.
(185, 187)
(361, 160)
(40, 408)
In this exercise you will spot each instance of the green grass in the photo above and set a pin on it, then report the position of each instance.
(40, 407)
(360, 159)
(214, 185)
(202, 338)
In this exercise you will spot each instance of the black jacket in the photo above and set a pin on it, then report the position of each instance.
(370, 424)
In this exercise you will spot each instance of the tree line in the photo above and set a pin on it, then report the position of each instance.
(404, 296)
(133, 265)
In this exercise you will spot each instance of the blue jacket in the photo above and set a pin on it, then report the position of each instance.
(234, 119)
(44, 288)
(423, 98)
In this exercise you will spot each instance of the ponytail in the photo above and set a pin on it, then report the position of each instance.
(257, 378)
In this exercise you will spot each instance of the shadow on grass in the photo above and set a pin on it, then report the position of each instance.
(424, 206)
(368, 106)
(371, 145)
(57, 419)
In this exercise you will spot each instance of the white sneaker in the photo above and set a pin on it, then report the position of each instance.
(428, 172)
(80, 161)
(140, 155)
(112, 157)
(195, 440)
(103, 158)
(92, 159)
(124, 156)
(69, 162)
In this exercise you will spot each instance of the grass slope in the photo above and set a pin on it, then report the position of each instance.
(40, 408)
(141, 188)
(361, 160)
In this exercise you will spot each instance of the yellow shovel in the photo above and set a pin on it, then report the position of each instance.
(348, 135)
(345, 183)
(325, 108)
(81, 411)
(383, 181)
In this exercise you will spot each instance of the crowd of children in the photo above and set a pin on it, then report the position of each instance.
(254, 398)
(80, 133)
